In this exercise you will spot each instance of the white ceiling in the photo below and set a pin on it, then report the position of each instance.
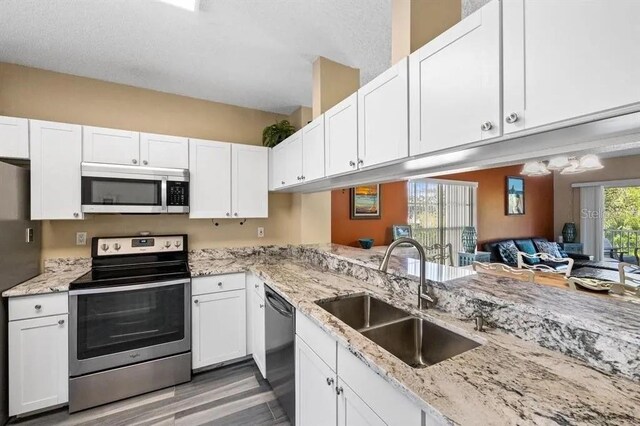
(253, 53)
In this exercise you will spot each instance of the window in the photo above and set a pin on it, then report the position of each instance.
(438, 210)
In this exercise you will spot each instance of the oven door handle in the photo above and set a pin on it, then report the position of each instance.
(116, 289)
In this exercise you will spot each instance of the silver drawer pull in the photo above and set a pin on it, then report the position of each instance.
(60, 322)
(220, 284)
(195, 301)
(511, 118)
(261, 306)
(486, 126)
(38, 307)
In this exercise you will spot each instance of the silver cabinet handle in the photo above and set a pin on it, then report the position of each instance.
(329, 381)
(76, 214)
(256, 286)
(196, 301)
(339, 390)
(236, 214)
(282, 183)
(220, 284)
(145, 162)
(511, 118)
(303, 177)
(360, 161)
(60, 322)
(228, 214)
(261, 306)
(352, 163)
(486, 126)
(38, 307)
(134, 161)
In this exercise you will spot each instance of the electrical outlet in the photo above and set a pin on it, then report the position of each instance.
(81, 238)
(260, 232)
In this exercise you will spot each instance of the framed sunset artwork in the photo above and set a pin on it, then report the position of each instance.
(365, 202)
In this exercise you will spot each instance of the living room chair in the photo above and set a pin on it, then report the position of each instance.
(545, 257)
(624, 269)
(442, 255)
(503, 270)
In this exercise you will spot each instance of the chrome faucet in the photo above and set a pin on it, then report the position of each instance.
(385, 264)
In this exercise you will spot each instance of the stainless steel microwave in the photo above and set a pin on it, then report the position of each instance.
(112, 188)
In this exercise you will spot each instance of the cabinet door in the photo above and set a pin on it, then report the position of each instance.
(209, 179)
(14, 137)
(38, 363)
(313, 150)
(278, 162)
(315, 388)
(249, 181)
(164, 151)
(383, 121)
(455, 85)
(293, 159)
(259, 354)
(341, 137)
(56, 154)
(112, 146)
(352, 411)
(568, 59)
(219, 327)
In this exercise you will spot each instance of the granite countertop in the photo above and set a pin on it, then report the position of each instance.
(506, 380)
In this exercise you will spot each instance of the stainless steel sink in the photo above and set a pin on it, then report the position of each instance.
(418, 342)
(362, 311)
(415, 341)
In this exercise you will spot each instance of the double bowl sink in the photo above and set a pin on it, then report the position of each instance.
(417, 342)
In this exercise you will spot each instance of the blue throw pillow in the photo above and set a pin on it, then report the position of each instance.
(562, 252)
(508, 252)
(550, 248)
(528, 247)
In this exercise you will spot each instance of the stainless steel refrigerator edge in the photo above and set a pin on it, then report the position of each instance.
(19, 259)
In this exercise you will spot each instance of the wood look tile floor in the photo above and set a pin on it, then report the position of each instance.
(232, 395)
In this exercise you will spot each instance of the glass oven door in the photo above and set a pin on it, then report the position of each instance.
(136, 194)
(117, 326)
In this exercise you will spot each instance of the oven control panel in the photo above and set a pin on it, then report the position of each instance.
(139, 245)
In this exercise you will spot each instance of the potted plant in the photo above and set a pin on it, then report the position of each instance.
(276, 133)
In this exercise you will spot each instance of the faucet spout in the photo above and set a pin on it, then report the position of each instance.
(384, 265)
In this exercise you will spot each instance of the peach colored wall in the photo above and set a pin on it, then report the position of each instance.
(394, 211)
(492, 222)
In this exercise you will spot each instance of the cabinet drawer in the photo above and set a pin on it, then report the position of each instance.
(217, 283)
(40, 305)
(317, 339)
(390, 404)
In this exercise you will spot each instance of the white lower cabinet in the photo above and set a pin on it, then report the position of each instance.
(315, 388)
(218, 324)
(349, 395)
(38, 360)
(257, 324)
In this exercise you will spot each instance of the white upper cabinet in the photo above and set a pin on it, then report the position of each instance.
(14, 137)
(455, 85)
(278, 161)
(164, 151)
(210, 179)
(56, 154)
(249, 181)
(228, 180)
(112, 146)
(568, 59)
(383, 125)
(313, 150)
(341, 137)
(293, 163)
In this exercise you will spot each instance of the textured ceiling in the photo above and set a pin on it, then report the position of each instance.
(253, 53)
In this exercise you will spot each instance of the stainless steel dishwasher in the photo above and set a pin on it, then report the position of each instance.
(279, 338)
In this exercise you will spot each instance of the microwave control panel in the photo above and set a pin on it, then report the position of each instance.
(177, 193)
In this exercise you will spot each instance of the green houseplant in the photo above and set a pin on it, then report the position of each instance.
(276, 133)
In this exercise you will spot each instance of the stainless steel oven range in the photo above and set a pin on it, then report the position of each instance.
(130, 320)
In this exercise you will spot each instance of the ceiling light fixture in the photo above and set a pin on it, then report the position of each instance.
(573, 169)
(535, 168)
(559, 163)
(590, 162)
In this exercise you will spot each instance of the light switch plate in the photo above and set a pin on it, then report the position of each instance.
(81, 238)
(260, 232)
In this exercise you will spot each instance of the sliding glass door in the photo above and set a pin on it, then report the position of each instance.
(439, 210)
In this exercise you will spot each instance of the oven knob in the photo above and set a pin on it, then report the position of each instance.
(116, 246)
(177, 244)
(104, 246)
(167, 244)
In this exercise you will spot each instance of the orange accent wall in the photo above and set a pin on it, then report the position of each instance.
(492, 222)
(394, 211)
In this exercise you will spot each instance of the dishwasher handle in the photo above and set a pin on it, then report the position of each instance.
(278, 306)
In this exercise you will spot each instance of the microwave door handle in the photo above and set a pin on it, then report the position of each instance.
(163, 195)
